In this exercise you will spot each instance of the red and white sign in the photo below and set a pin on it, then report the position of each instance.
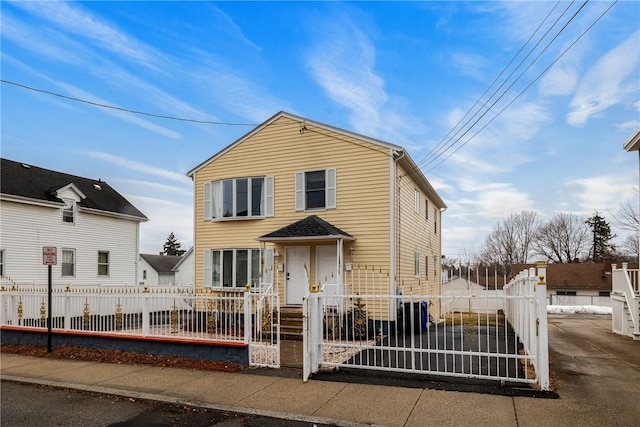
(49, 255)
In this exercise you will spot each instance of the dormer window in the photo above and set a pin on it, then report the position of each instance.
(68, 215)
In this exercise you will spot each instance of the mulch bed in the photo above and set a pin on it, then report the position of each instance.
(71, 352)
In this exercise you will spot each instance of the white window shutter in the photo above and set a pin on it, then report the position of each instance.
(207, 200)
(269, 199)
(331, 188)
(267, 267)
(207, 269)
(299, 191)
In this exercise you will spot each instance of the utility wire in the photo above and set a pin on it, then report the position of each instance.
(434, 150)
(113, 107)
(528, 86)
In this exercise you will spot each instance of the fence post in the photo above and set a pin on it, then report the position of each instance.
(67, 308)
(145, 312)
(247, 317)
(542, 356)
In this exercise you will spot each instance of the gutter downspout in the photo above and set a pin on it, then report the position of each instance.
(392, 225)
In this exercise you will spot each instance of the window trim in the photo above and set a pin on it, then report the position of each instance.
(214, 198)
(69, 211)
(62, 263)
(107, 264)
(254, 259)
(330, 190)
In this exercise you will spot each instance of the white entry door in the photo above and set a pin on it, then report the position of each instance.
(296, 274)
(327, 271)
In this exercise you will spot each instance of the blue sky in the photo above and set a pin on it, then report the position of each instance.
(403, 72)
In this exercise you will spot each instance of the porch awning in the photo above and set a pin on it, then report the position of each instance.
(309, 228)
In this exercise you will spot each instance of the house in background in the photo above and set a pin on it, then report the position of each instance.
(162, 269)
(576, 283)
(295, 203)
(94, 228)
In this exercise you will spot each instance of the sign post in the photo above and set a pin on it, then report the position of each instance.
(49, 258)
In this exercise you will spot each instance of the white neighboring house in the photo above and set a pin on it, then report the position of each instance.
(185, 269)
(94, 228)
(156, 270)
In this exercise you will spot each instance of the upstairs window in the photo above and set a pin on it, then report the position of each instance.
(417, 264)
(103, 263)
(68, 262)
(315, 190)
(426, 208)
(239, 198)
(68, 212)
(417, 201)
(435, 220)
(2, 263)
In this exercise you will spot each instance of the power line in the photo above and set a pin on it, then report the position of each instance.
(529, 85)
(126, 110)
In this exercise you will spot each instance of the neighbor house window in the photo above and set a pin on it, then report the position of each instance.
(68, 262)
(417, 264)
(144, 274)
(103, 263)
(231, 268)
(417, 201)
(1, 263)
(604, 293)
(426, 267)
(566, 293)
(315, 190)
(68, 212)
(435, 220)
(250, 197)
(426, 208)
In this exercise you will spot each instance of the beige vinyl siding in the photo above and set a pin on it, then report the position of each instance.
(416, 233)
(280, 150)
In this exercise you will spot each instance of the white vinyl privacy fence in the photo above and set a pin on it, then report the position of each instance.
(500, 336)
(171, 313)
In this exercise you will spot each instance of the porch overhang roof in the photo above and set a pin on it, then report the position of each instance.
(309, 228)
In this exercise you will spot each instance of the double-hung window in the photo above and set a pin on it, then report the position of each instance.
(68, 262)
(231, 268)
(417, 201)
(250, 197)
(417, 264)
(426, 266)
(315, 190)
(435, 220)
(103, 263)
(2, 263)
(68, 212)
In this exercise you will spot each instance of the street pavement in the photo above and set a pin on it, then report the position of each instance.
(595, 376)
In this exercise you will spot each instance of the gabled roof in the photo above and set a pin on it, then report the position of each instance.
(32, 183)
(309, 228)
(403, 157)
(183, 258)
(633, 143)
(162, 263)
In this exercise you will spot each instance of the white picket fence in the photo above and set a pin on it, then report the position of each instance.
(171, 313)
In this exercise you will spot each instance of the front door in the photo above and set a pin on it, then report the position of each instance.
(296, 274)
(327, 271)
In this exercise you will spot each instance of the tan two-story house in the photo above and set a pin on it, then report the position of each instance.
(296, 203)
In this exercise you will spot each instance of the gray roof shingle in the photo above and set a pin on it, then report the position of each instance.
(162, 263)
(32, 182)
(312, 227)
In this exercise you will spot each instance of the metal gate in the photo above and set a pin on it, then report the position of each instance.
(497, 335)
(263, 329)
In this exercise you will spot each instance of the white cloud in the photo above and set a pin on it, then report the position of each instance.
(599, 193)
(468, 64)
(138, 167)
(76, 20)
(605, 83)
(164, 216)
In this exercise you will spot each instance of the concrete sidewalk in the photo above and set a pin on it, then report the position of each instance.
(595, 373)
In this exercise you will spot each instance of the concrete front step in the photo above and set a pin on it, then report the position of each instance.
(291, 322)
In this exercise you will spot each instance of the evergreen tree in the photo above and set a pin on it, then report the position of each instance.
(602, 237)
(172, 246)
